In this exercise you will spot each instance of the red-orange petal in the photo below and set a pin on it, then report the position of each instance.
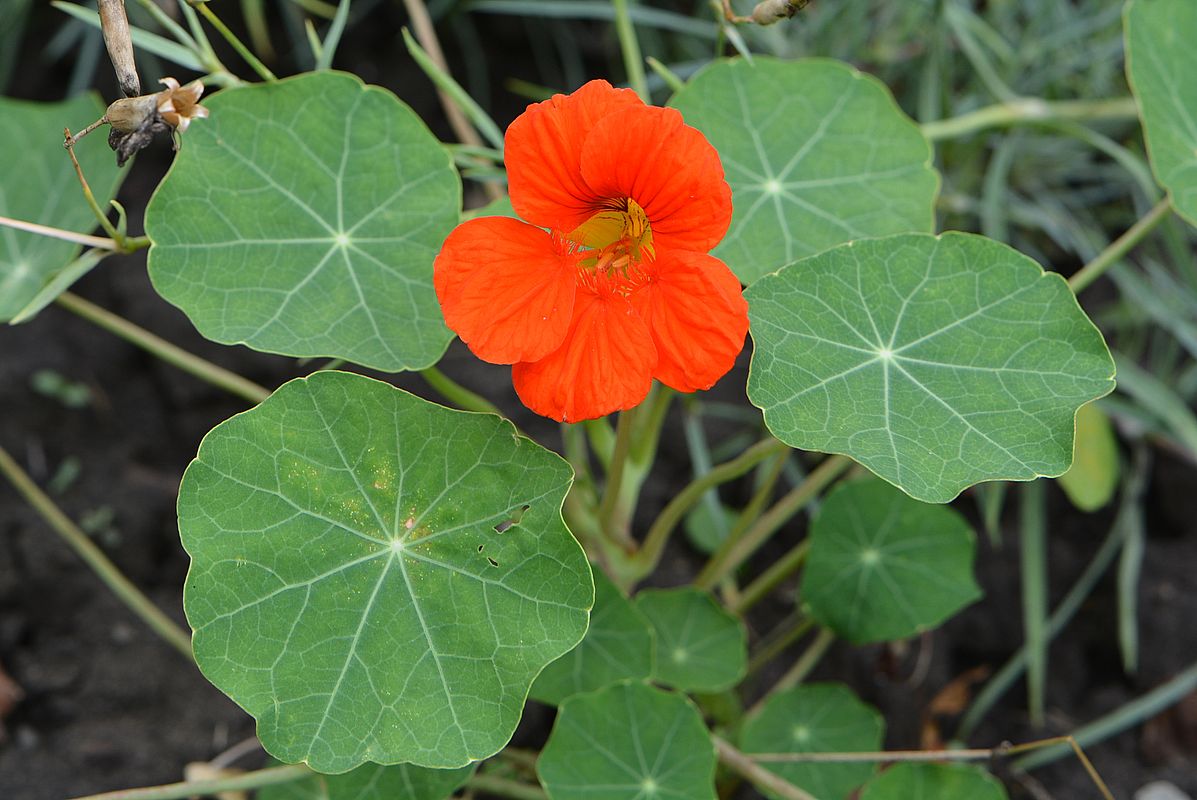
(650, 155)
(605, 363)
(543, 153)
(506, 288)
(698, 317)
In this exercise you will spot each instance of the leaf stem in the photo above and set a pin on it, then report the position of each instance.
(802, 667)
(506, 787)
(1107, 258)
(1030, 111)
(97, 242)
(263, 71)
(171, 354)
(630, 46)
(744, 765)
(788, 631)
(617, 529)
(658, 535)
(87, 550)
(105, 223)
(177, 791)
(457, 394)
(1033, 547)
(768, 580)
(737, 549)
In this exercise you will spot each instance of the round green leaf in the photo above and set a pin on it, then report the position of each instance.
(628, 742)
(618, 645)
(302, 217)
(1160, 64)
(936, 361)
(883, 566)
(934, 782)
(700, 646)
(1091, 481)
(375, 577)
(40, 185)
(374, 782)
(816, 154)
(816, 718)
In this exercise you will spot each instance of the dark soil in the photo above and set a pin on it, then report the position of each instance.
(107, 705)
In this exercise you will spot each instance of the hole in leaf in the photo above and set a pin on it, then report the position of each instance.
(512, 520)
(493, 563)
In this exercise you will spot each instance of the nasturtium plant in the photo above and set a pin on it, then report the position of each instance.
(936, 361)
(377, 578)
(302, 218)
(816, 718)
(817, 154)
(1160, 61)
(884, 566)
(375, 782)
(934, 782)
(628, 742)
(619, 645)
(700, 646)
(40, 185)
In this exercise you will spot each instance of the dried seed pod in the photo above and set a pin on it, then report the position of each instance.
(115, 27)
(770, 11)
(132, 113)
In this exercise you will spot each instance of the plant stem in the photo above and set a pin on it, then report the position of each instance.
(790, 630)
(658, 535)
(755, 774)
(105, 223)
(263, 71)
(505, 787)
(1030, 111)
(86, 549)
(1120, 247)
(457, 394)
(97, 242)
(171, 354)
(615, 528)
(630, 46)
(177, 791)
(802, 667)
(737, 549)
(768, 580)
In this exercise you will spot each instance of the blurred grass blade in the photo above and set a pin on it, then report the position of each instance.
(168, 24)
(12, 31)
(596, 9)
(700, 459)
(254, 13)
(1130, 566)
(991, 497)
(313, 40)
(150, 42)
(329, 48)
(59, 284)
(479, 118)
(1033, 538)
(317, 7)
(1157, 397)
(1128, 716)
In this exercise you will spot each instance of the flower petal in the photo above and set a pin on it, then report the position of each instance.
(605, 363)
(505, 288)
(650, 155)
(543, 152)
(698, 317)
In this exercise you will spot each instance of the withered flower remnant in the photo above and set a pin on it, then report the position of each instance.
(136, 120)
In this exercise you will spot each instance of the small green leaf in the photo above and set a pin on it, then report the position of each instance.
(40, 186)
(357, 582)
(700, 646)
(628, 742)
(1160, 64)
(618, 646)
(375, 782)
(302, 217)
(816, 718)
(883, 566)
(936, 361)
(816, 154)
(934, 782)
(1093, 478)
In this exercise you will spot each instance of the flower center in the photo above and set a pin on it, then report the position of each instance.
(619, 237)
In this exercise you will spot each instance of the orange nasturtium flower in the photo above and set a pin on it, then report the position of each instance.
(608, 284)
